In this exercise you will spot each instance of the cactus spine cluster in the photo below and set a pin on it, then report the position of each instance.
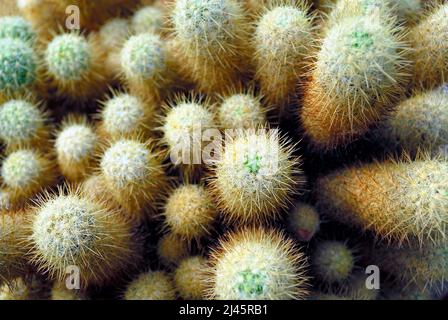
(256, 176)
(429, 43)
(153, 285)
(359, 72)
(410, 198)
(282, 41)
(189, 278)
(257, 264)
(73, 229)
(212, 41)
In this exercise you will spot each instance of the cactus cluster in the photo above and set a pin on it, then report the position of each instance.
(223, 149)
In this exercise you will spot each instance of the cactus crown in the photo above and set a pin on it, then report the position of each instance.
(255, 264)
(333, 261)
(17, 64)
(143, 57)
(207, 21)
(19, 121)
(122, 113)
(114, 33)
(359, 59)
(126, 162)
(183, 118)
(68, 56)
(148, 19)
(21, 168)
(241, 111)
(76, 142)
(17, 27)
(281, 27)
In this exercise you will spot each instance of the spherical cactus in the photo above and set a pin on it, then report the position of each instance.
(429, 40)
(172, 249)
(190, 212)
(144, 65)
(13, 232)
(153, 285)
(424, 268)
(359, 72)
(26, 172)
(76, 144)
(257, 264)
(133, 174)
(189, 278)
(418, 123)
(333, 261)
(148, 19)
(185, 121)
(303, 221)
(112, 36)
(126, 115)
(73, 229)
(59, 291)
(283, 41)
(241, 111)
(18, 66)
(410, 197)
(44, 22)
(212, 38)
(256, 176)
(22, 124)
(17, 27)
(73, 63)
(114, 33)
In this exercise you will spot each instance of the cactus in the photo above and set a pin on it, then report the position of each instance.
(359, 72)
(12, 252)
(148, 19)
(189, 278)
(26, 172)
(418, 123)
(333, 261)
(73, 64)
(187, 117)
(125, 115)
(112, 36)
(240, 110)
(190, 212)
(18, 66)
(410, 198)
(17, 27)
(303, 221)
(172, 249)
(257, 264)
(256, 176)
(145, 65)
(133, 174)
(283, 42)
(76, 144)
(153, 285)
(59, 291)
(23, 124)
(429, 41)
(16, 290)
(73, 229)
(212, 38)
(424, 268)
